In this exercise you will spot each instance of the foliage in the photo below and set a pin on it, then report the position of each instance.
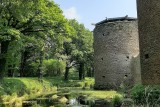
(36, 38)
(37, 23)
(137, 93)
(83, 41)
(13, 56)
(146, 95)
(13, 89)
(95, 94)
(117, 101)
(58, 81)
(53, 67)
(20, 86)
(39, 18)
(63, 100)
(33, 88)
(79, 50)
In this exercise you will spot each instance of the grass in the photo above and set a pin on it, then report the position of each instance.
(19, 89)
(21, 86)
(90, 93)
(101, 94)
(58, 81)
(15, 90)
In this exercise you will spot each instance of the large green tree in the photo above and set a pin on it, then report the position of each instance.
(31, 20)
(84, 48)
(79, 50)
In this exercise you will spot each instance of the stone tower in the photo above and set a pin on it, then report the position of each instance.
(116, 51)
(149, 40)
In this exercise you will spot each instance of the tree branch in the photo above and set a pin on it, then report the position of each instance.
(37, 30)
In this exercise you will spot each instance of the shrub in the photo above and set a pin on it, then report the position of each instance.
(116, 101)
(137, 94)
(143, 95)
(53, 67)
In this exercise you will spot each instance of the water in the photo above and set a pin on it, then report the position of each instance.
(74, 103)
(46, 102)
(49, 101)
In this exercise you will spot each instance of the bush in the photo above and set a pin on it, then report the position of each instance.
(143, 95)
(116, 101)
(138, 94)
(53, 67)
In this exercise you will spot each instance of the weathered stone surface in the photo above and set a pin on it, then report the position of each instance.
(149, 39)
(115, 46)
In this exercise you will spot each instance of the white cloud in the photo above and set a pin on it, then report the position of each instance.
(71, 13)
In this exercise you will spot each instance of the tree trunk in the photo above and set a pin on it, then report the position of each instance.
(89, 72)
(81, 71)
(92, 72)
(4, 48)
(66, 73)
(40, 66)
(23, 63)
(59, 72)
(10, 71)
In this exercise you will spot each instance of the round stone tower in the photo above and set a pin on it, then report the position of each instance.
(149, 40)
(116, 51)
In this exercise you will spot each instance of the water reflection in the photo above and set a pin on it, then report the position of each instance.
(74, 103)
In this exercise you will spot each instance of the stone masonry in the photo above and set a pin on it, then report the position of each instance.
(116, 52)
(149, 40)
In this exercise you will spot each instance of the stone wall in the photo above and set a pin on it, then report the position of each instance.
(136, 69)
(149, 38)
(115, 46)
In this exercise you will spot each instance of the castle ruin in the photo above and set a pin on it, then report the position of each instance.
(116, 52)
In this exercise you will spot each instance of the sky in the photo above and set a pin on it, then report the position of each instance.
(90, 12)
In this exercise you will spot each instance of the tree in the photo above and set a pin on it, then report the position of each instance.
(32, 21)
(68, 56)
(84, 47)
(53, 67)
(78, 50)
(13, 57)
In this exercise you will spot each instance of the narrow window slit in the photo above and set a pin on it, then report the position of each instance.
(103, 76)
(146, 56)
(126, 75)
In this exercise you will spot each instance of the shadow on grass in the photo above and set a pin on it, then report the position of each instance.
(60, 82)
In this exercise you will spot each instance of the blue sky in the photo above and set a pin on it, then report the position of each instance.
(93, 11)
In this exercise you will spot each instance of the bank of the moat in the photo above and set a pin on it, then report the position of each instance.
(26, 92)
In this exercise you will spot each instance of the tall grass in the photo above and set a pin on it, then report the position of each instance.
(15, 90)
(146, 96)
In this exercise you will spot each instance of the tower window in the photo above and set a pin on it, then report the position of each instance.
(127, 57)
(102, 59)
(146, 56)
(103, 76)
